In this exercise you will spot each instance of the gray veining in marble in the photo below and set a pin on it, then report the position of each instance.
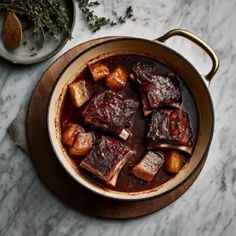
(208, 208)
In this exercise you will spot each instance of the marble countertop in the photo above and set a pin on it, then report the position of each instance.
(208, 207)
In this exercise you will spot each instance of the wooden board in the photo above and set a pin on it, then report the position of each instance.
(57, 179)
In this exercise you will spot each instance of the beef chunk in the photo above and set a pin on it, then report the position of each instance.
(116, 80)
(110, 111)
(107, 159)
(157, 90)
(83, 144)
(149, 166)
(98, 71)
(70, 132)
(79, 93)
(170, 127)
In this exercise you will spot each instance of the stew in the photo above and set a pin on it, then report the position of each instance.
(129, 123)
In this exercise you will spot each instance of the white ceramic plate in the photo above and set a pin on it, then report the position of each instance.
(33, 51)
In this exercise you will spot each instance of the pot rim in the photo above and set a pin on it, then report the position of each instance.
(127, 196)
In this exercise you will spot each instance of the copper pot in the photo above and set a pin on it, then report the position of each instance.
(156, 49)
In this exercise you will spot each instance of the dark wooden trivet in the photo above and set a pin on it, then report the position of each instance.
(57, 179)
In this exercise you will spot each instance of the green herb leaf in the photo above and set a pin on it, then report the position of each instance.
(95, 22)
(43, 15)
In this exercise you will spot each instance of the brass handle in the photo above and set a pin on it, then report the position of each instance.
(200, 43)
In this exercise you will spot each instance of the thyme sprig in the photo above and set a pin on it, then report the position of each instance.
(43, 15)
(95, 22)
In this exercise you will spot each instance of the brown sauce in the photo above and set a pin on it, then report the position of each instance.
(127, 182)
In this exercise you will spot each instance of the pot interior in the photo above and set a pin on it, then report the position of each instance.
(156, 51)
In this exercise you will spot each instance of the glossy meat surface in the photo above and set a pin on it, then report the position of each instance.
(149, 166)
(169, 126)
(156, 89)
(109, 111)
(106, 159)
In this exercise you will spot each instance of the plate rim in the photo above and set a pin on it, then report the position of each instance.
(54, 52)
